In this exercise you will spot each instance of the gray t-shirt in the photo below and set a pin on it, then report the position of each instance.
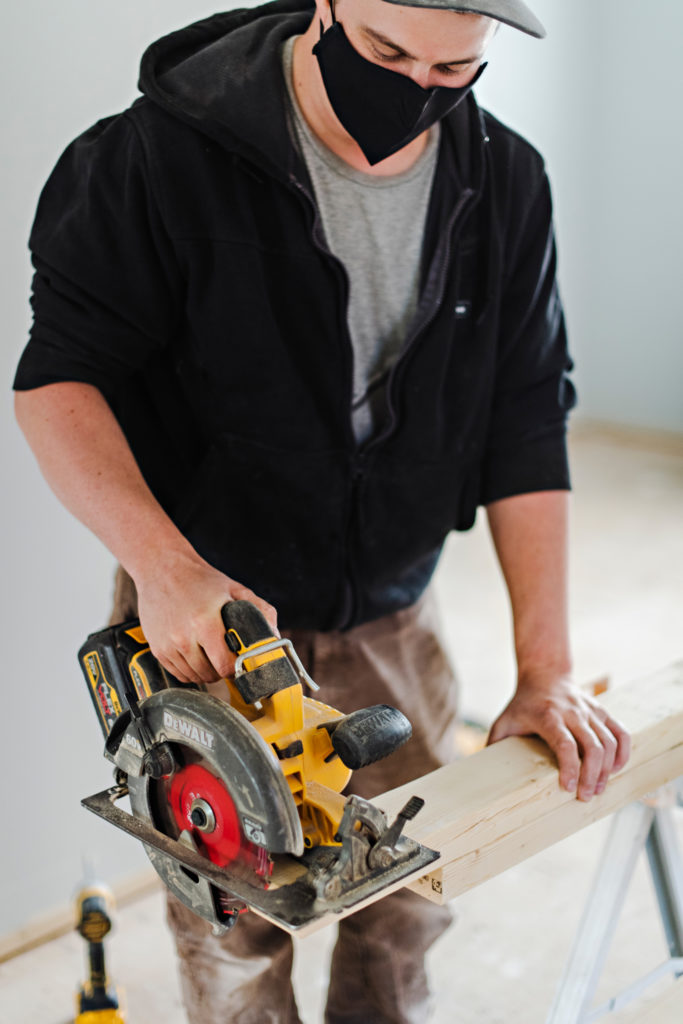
(375, 226)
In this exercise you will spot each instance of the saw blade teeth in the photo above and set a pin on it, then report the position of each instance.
(228, 903)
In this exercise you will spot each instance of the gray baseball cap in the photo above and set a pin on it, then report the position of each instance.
(511, 12)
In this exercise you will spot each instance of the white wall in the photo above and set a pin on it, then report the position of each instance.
(637, 263)
(63, 66)
(601, 98)
(613, 150)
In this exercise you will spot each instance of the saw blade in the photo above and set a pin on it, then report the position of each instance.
(228, 795)
(196, 800)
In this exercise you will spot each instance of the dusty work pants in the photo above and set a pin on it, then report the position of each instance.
(377, 971)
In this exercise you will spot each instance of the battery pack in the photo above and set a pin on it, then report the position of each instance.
(116, 663)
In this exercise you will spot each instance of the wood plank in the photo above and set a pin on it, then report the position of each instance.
(504, 804)
(491, 810)
(500, 806)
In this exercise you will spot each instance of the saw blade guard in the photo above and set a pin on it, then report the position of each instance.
(225, 770)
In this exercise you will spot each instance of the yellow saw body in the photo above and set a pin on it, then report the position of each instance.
(224, 784)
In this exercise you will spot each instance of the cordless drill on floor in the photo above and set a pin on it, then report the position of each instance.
(96, 1001)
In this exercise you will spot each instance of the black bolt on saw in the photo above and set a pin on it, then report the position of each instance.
(237, 801)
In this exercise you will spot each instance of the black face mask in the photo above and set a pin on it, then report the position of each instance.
(381, 109)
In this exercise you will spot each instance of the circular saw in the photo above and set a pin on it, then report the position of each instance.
(238, 799)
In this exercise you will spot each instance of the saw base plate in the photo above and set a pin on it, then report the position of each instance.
(293, 905)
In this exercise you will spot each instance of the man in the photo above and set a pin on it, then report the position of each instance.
(295, 318)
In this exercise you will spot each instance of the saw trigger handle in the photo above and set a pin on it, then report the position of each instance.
(368, 735)
(244, 626)
(264, 663)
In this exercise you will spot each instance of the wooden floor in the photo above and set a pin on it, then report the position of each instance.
(500, 962)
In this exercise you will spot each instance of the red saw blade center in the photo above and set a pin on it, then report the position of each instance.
(225, 842)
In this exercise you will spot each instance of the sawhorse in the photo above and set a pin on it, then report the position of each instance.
(645, 825)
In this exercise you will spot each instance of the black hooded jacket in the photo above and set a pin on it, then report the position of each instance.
(181, 267)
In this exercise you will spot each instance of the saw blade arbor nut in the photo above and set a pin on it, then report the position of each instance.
(202, 816)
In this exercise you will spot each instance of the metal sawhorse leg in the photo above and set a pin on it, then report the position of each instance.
(646, 824)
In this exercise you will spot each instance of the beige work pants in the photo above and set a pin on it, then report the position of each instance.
(377, 971)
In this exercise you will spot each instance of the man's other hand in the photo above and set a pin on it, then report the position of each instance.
(180, 603)
(588, 743)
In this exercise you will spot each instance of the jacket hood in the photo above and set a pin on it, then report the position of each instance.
(223, 75)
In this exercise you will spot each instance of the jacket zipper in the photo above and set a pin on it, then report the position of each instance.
(465, 203)
(350, 586)
(395, 373)
(361, 452)
(318, 241)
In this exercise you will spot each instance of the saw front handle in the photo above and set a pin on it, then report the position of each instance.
(368, 735)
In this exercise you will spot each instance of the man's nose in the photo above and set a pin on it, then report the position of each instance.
(421, 74)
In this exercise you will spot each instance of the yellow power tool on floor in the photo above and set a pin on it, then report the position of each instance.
(97, 1002)
(238, 801)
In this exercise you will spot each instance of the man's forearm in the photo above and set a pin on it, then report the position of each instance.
(530, 534)
(87, 461)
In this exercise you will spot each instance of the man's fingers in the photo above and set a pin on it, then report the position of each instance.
(564, 746)
(615, 740)
(243, 593)
(191, 651)
(609, 748)
(588, 743)
(592, 759)
(174, 662)
(552, 731)
(219, 654)
(203, 656)
(182, 621)
(206, 657)
(186, 659)
(623, 742)
(497, 732)
(588, 753)
(214, 643)
(202, 665)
